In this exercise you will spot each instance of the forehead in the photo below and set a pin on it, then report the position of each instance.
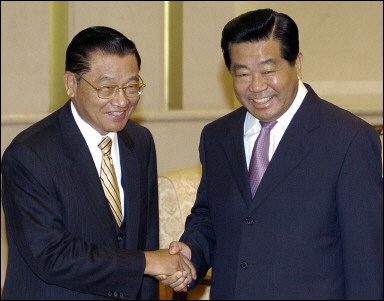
(260, 52)
(106, 62)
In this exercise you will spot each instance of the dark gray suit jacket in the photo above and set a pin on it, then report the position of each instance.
(314, 229)
(63, 240)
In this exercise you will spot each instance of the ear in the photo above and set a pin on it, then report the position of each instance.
(70, 83)
(298, 65)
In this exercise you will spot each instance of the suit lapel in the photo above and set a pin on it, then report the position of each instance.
(130, 177)
(234, 148)
(292, 149)
(84, 174)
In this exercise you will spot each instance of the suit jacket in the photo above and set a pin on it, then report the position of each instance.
(314, 227)
(63, 240)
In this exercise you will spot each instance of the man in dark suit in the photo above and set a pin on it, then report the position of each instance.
(314, 227)
(64, 241)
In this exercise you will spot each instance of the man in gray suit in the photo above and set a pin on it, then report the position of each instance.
(314, 227)
(64, 241)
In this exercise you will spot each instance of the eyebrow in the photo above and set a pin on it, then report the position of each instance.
(106, 77)
(239, 66)
(263, 62)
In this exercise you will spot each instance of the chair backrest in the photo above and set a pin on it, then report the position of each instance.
(177, 194)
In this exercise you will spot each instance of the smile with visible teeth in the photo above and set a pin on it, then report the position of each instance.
(116, 113)
(261, 100)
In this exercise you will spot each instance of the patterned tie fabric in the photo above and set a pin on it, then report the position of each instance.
(109, 180)
(259, 159)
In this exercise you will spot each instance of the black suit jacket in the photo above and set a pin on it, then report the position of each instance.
(63, 240)
(314, 229)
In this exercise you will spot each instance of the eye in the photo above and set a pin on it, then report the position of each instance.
(132, 87)
(241, 74)
(107, 91)
(107, 88)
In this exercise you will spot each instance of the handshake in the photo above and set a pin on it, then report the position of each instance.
(172, 267)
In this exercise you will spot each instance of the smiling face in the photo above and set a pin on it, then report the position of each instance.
(104, 115)
(264, 83)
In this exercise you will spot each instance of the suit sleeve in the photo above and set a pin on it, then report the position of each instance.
(198, 234)
(360, 212)
(149, 289)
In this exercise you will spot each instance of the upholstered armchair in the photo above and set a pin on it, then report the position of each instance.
(177, 193)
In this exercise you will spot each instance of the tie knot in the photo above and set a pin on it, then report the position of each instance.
(268, 125)
(105, 145)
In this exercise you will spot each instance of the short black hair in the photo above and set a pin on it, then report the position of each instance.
(97, 38)
(259, 25)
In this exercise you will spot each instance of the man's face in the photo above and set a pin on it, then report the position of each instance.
(264, 83)
(104, 115)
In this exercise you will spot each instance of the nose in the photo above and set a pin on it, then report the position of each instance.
(258, 83)
(120, 99)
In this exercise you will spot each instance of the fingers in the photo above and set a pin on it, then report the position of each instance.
(160, 262)
(160, 277)
(178, 281)
(173, 278)
(186, 265)
(183, 286)
(183, 270)
(189, 267)
(175, 270)
(186, 274)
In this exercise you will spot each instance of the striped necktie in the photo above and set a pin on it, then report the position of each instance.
(109, 180)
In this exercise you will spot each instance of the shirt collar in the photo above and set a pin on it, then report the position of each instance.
(91, 136)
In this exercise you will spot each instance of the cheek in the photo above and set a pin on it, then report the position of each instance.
(274, 81)
(239, 96)
(88, 106)
(240, 91)
(134, 102)
(86, 96)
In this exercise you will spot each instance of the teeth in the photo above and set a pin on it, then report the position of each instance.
(262, 100)
(116, 113)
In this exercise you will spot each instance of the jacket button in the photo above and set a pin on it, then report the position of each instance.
(115, 294)
(249, 221)
(121, 295)
(109, 294)
(244, 264)
(119, 238)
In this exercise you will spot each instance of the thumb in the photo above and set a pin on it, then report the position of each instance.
(174, 247)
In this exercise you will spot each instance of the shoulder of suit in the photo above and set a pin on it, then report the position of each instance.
(38, 130)
(235, 116)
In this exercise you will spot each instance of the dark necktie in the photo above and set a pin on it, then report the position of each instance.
(109, 180)
(259, 159)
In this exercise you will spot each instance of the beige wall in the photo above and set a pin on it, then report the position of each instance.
(341, 42)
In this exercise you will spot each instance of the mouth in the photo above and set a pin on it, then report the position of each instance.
(261, 100)
(115, 113)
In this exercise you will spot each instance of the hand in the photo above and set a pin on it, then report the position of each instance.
(177, 246)
(161, 262)
(177, 281)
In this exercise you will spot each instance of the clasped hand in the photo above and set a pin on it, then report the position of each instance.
(172, 267)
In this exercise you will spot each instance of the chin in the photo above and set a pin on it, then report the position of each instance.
(118, 129)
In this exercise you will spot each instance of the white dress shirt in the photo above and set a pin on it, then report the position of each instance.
(252, 126)
(93, 139)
